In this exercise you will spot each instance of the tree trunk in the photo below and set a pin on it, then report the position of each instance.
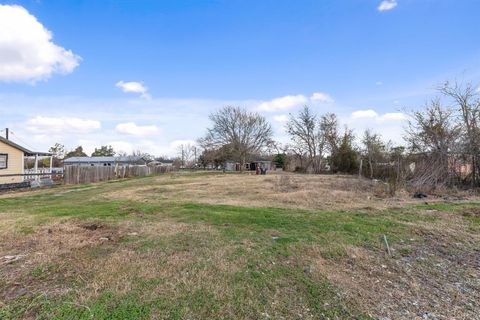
(371, 168)
(242, 163)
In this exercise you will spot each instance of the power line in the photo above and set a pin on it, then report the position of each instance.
(21, 140)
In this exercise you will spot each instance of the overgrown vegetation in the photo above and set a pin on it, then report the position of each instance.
(443, 143)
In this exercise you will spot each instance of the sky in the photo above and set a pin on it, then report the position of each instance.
(145, 74)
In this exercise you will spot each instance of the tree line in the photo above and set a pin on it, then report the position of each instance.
(442, 142)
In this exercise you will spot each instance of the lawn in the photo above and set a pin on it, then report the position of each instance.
(232, 246)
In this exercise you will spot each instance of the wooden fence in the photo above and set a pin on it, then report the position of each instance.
(87, 174)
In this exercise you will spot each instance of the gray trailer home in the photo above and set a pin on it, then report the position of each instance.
(104, 161)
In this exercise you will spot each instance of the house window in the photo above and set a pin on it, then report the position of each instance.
(3, 161)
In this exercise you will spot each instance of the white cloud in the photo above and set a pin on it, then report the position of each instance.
(390, 125)
(27, 53)
(387, 5)
(371, 114)
(133, 129)
(321, 97)
(281, 118)
(394, 116)
(292, 101)
(283, 103)
(134, 87)
(379, 83)
(364, 114)
(53, 125)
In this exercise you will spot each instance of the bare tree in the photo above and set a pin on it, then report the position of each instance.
(466, 102)
(187, 152)
(313, 137)
(298, 153)
(307, 141)
(144, 155)
(245, 133)
(433, 133)
(329, 130)
(374, 148)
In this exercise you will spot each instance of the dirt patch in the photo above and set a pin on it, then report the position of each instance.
(92, 227)
(47, 248)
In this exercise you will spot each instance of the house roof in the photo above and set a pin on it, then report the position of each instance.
(165, 161)
(89, 159)
(23, 149)
(103, 159)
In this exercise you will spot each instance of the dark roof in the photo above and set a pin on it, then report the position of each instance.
(103, 159)
(166, 161)
(25, 150)
(89, 159)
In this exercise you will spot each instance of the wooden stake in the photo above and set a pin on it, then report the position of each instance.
(386, 244)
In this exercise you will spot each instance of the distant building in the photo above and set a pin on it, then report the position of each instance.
(232, 165)
(104, 161)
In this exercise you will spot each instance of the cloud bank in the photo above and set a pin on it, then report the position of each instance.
(293, 101)
(56, 125)
(133, 129)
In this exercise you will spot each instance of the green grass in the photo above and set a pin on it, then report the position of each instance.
(276, 258)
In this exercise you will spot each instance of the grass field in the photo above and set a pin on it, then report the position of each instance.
(232, 246)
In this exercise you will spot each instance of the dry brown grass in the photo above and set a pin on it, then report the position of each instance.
(64, 250)
(60, 243)
(404, 288)
(435, 274)
(436, 271)
(281, 190)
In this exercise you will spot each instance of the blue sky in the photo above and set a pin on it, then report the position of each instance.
(146, 74)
